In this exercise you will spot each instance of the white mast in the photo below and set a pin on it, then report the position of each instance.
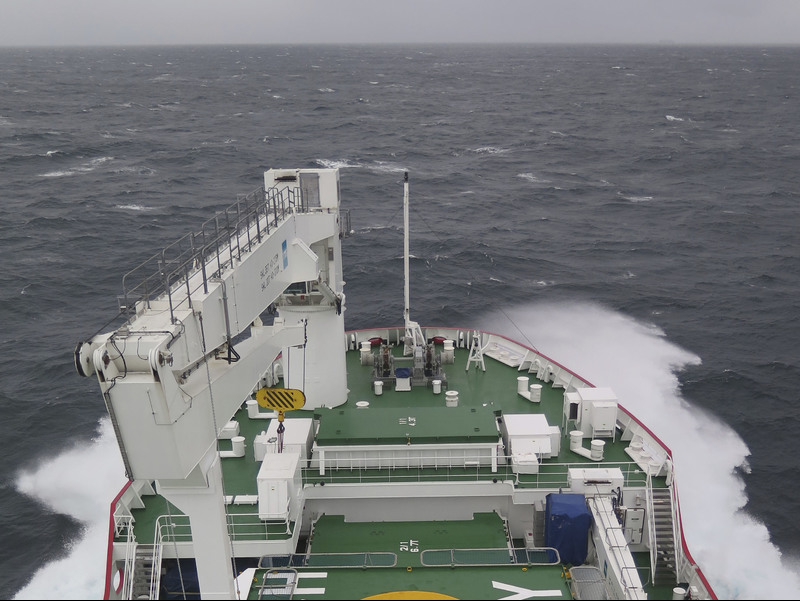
(414, 335)
(406, 312)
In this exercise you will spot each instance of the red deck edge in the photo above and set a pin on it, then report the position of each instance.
(111, 530)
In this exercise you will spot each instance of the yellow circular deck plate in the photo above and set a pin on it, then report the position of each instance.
(409, 595)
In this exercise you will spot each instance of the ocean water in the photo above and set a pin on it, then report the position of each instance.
(630, 211)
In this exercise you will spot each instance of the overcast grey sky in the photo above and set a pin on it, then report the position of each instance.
(129, 22)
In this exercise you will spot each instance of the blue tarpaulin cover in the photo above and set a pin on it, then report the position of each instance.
(566, 526)
(402, 372)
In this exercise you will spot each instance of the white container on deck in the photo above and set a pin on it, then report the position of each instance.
(366, 353)
(448, 352)
(598, 447)
(451, 398)
(575, 440)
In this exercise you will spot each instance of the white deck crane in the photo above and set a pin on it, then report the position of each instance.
(194, 348)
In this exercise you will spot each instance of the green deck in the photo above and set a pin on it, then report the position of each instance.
(483, 396)
(410, 541)
(391, 425)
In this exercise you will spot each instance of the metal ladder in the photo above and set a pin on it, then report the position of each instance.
(665, 567)
(143, 568)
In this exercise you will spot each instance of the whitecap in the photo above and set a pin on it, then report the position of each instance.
(134, 207)
(376, 166)
(384, 167)
(532, 178)
(491, 150)
(376, 228)
(335, 164)
(673, 118)
(87, 167)
(131, 169)
(632, 198)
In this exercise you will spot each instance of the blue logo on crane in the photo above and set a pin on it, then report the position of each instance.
(285, 252)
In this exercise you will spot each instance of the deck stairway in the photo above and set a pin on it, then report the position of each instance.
(665, 572)
(143, 571)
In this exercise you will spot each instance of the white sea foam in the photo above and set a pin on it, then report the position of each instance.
(632, 198)
(376, 166)
(62, 485)
(336, 164)
(385, 167)
(640, 364)
(134, 207)
(135, 170)
(377, 228)
(491, 150)
(86, 167)
(58, 173)
(532, 178)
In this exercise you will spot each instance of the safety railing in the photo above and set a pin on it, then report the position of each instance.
(123, 526)
(241, 527)
(363, 470)
(367, 559)
(490, 557)
(203, 255)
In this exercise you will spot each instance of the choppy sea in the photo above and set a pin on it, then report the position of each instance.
(630, 211)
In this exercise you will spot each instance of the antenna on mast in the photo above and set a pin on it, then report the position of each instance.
(414, 335)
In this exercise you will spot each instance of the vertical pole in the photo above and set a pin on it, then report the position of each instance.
(406, 311)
